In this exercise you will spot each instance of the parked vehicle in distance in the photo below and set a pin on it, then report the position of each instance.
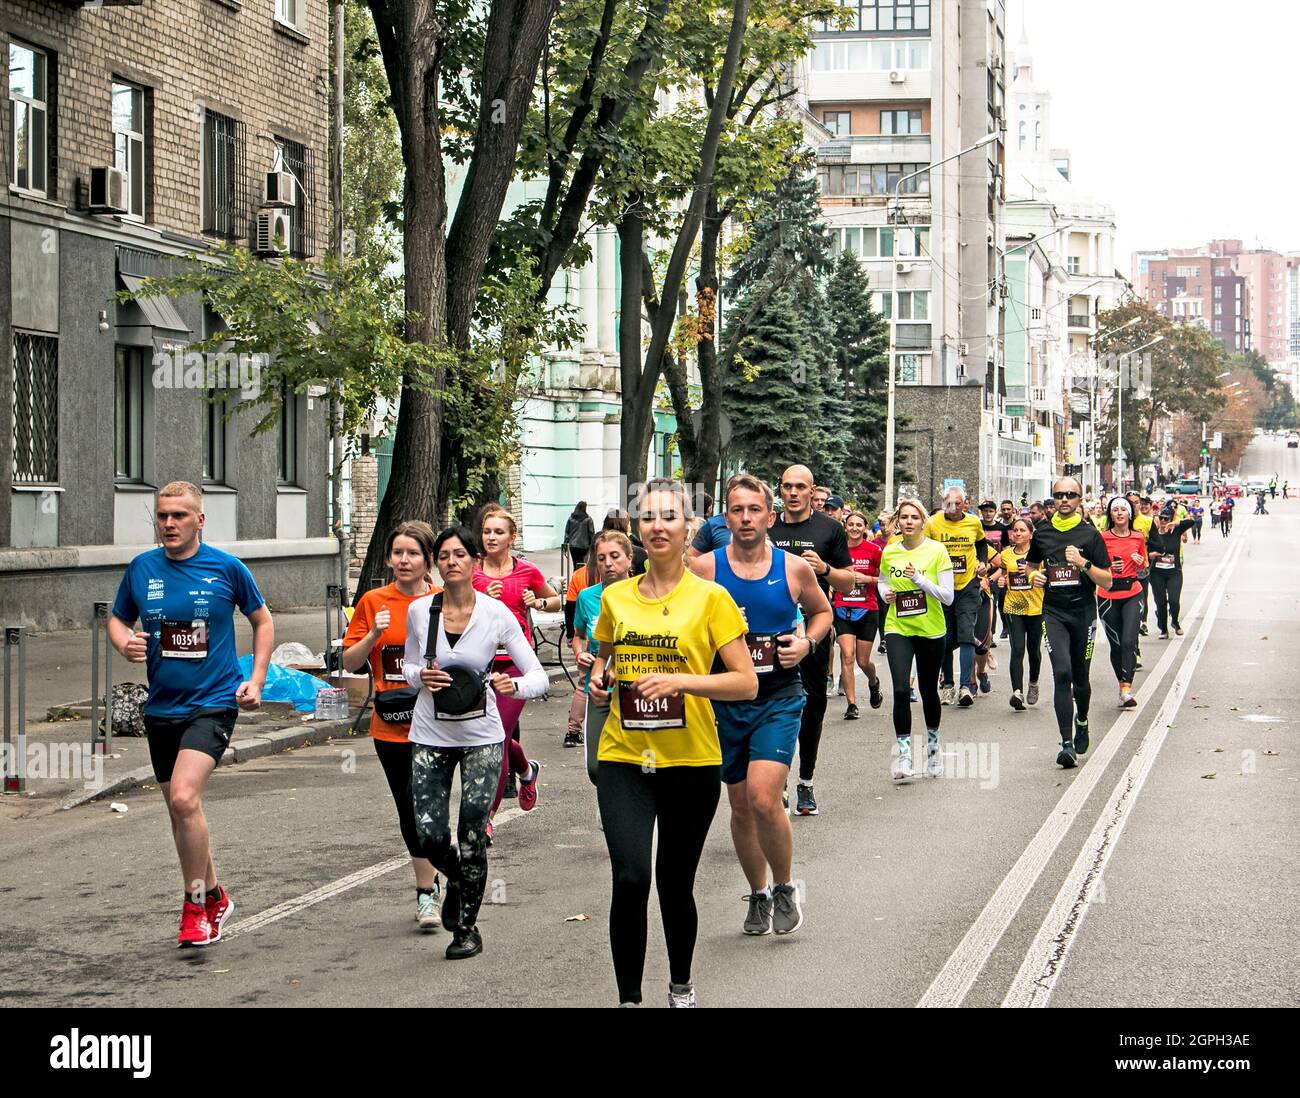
(1183, 488)
(1256, 484)
(1234, 486)
(1293, 440)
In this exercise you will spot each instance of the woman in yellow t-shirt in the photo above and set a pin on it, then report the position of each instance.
(1023, 608)
(659, 757)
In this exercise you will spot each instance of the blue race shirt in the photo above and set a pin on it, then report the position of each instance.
(770, 611)
(714, 534)
(585, 617)
(188, 609)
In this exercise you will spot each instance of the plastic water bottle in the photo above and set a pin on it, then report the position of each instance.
(332, 704)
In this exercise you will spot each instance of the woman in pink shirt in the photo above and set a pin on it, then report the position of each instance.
(520, 587)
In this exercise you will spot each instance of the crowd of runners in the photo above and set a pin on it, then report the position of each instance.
(708, 648)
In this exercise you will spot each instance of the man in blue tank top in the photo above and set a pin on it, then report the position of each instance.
(758, 737)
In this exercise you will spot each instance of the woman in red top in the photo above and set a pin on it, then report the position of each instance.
(521, 587)
(377, 636)
(1121, 606)
(857, 615)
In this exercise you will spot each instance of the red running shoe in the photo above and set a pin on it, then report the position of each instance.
(219, 908)
(528, 787)
(196, 930)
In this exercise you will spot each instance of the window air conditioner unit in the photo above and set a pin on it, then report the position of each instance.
(903, 268)
(109, 191)
(274, 231)
(897, 76)
(281, 189)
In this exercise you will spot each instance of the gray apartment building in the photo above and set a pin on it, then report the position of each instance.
(138, 133)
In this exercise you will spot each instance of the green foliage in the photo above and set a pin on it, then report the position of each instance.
(860, 337)
(1184, 376)
(372, 150)
(771, 415)
(339, 324)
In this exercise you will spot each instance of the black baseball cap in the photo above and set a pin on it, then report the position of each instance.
(834, 503)
(988, 503)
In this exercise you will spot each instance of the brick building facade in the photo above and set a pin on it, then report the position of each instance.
(195, 101)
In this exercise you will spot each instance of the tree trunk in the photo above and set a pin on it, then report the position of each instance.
(638, 384)
(412, 46)
(708, 441)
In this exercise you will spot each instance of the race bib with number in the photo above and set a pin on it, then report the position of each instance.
(1062, 575)
(910, 604)
(502, 653)
(1019, 580)
(184, 640)
(391, 658)
(762, 650)
(1164, 560)
(958, 564)
(649, 714)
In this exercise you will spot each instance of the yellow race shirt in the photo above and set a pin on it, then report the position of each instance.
(1026, 601)
(1142, 524)
(678, 634)
(959, 539)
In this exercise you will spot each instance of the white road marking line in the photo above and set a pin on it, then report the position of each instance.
(336, 888)
(961, 970)
(1045, 959)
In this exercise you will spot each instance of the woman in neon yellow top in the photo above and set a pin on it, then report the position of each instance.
(1023, 608)
(659, 756)
(916, 582)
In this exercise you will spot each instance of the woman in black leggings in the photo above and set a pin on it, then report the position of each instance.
(1022, 609)
(1164, 547)
(659, 761)
(916, 583)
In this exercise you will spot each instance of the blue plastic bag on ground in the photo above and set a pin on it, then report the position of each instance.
(284, 684)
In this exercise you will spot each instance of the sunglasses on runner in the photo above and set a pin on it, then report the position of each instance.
(1065, 495)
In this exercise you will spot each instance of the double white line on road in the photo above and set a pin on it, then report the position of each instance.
(334, 888)
(962, 969)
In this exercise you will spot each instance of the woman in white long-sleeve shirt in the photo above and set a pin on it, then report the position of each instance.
(470, 629)
(916, 582)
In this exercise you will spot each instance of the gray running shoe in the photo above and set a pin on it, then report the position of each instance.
(788, 915)
(427, 909)
(681, 995)
(947, 695)
(1127, 700)
(965, 698)
(805, 803)
(759, 919)
(1031, 696)
(1066, 758)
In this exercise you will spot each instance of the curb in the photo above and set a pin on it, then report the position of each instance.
(242, 750)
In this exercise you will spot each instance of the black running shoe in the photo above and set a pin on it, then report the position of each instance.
(1080, 737)
(465, 943)
(851, 713)
(877, 695)
(1066, 758)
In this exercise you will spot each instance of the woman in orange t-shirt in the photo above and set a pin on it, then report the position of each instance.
(377, 636)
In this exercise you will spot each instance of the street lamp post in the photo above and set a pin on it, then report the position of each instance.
(893, 319)
(1092, 401)
(1119, 438)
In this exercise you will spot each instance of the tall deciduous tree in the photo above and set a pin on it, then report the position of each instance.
(489, 58)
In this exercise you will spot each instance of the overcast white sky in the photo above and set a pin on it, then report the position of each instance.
(1181, 114)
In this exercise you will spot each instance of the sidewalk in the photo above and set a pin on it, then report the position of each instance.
(63, 772)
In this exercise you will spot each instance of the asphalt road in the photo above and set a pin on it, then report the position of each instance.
(1161, 872)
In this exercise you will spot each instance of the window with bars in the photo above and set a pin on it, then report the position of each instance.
(300, 161)
(225, 176)
(36, 408)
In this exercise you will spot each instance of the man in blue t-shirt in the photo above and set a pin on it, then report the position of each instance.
(185, 594)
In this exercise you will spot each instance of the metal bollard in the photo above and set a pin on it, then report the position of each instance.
(333, 628)
(101, 744)
(15, 764)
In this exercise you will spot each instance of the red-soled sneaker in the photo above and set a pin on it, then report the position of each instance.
(528, 786)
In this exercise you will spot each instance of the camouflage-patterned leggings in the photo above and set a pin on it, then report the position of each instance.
(431, 774)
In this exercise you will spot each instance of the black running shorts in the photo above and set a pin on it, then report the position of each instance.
(206, 730)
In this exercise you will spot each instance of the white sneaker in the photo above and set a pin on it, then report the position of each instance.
(427, 909)
(1127, 700)
(681, 995)
(902, 770)
(934, 761)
